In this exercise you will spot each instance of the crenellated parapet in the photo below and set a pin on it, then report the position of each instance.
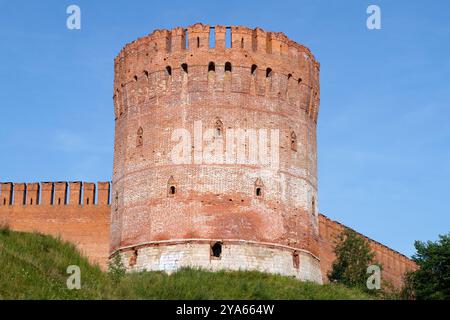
(170, 65)
(54, 193)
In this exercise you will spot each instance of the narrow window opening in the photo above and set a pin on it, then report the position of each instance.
(242, 43)
(218, 126)
(171, 187)
(186, 39)
(296, 259)
(116, 202)
(140, 137)
(198, 42)
(268, 72)
(169, 70)
(146, 73)
(211, 67)
(299, 80)
(259, 187)
(59, 201)
(87, 201)
(135, 78)
(133, 258)
(254, 67)
(228, 67)
(31, 201)
(313, 205)
(293, 141)
(216, 250)
(4, 202)
(184, 66)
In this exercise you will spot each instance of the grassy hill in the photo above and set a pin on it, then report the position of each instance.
(33, 266)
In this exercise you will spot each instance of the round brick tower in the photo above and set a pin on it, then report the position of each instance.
(215, 152)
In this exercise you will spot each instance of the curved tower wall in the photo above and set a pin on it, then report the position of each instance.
(178, 94)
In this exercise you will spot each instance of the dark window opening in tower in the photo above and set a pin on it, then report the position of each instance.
(116, 202)
(4, 202)
(268, 72)
(59, 201)
(146, 74)
(296, 260)
(242, 43)
(313, 206)
(293, 141)
(169, 70)
(211, 67)
(259, 187)
(184, 66)
(135, 78)
(254, 67)
(31, 201)
(198, 42)
(228, 67)
(300, 80)
(216, 250)
(171, 187)
(218, 126)
(140, 137)
(87, 201)
(133, 258)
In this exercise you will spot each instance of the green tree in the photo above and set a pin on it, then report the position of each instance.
(353, 256)
(116, 268)
(432, 278)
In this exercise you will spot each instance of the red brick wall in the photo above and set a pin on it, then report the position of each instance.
(394, 264)
(87, 226)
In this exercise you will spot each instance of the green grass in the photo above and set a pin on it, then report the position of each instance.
(33, 266)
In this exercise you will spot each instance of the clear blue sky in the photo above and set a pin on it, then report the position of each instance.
(383, 134)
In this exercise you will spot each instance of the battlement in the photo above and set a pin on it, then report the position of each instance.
(169, 66)
(55, 193)
(200, 37)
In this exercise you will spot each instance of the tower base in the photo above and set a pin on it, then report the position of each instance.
(215, 255)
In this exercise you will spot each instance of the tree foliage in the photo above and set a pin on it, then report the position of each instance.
(353, 256)
(432, 278)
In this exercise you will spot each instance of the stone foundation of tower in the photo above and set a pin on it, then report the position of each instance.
(171, 256)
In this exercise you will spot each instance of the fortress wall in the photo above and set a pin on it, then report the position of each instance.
(394, 264)
(57, 209)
